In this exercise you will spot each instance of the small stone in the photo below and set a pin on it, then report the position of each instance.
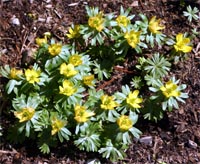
(73, 4)
(134, 4)
(49, 6)
(41, 19)
(192, 144)
(15, 21)
(47, 1)
(93, 161)
(147, 140)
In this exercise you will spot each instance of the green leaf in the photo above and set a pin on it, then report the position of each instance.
(135, 132)
(88, 142)
(65, 133)
(5, 71)
(28, 128)
(164, 105)
(44, 148)
(126, 138)
(111, 152)
(10, 86)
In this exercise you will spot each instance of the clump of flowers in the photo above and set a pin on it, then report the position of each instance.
(74, 32)
(62, 96)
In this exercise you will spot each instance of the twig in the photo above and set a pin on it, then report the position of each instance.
(141, 4)
(108, 82)
(8, 152)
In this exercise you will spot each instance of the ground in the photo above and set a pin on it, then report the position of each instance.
(175, 139)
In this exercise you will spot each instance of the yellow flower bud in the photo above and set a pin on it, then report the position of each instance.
(41, 41)
(87, 80)
(74, 32)
(56, 125)
(155, 25)
(14, 73)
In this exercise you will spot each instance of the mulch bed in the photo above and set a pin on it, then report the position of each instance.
(175, 139)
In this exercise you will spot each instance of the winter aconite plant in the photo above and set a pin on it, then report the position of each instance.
(59, 98)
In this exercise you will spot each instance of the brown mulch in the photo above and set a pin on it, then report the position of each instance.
(175, 139)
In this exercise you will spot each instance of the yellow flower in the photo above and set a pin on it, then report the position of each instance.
(75, 60)
(182, 44)
(108, 102)
(133, 100)
(67, 88)
(14, 73)
(41, 41)
(124, 123)
(74, 32)
(32, 76)
(155, 25)
(97, 22)
(25, 114)
(87, 80)
(47, 34)
(56, 125)
(55, 49)
(170, 89)
(67, 70)
(123, 21)
(133, 38)
(81, 114)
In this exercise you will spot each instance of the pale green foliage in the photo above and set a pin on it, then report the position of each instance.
(60, 87)
(137, 82)
(157, 66)
(191, 13)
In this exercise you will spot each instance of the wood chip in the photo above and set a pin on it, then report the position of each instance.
(134, 4)
(73, 4)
